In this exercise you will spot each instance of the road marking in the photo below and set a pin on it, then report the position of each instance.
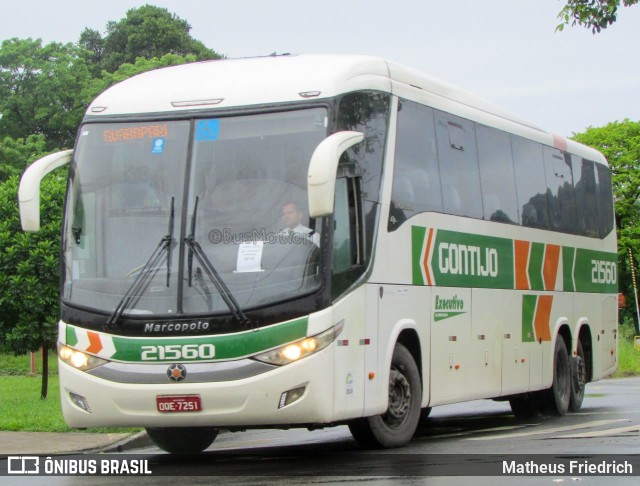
(595, 423)
(479, 431)
(601, 433)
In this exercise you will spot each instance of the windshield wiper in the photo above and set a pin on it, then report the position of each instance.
(146, 273)
(212, 273)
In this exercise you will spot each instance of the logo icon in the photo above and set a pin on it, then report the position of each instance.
(176, 372)
(23, 465)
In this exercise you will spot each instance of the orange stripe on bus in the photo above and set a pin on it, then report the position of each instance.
(425, 262)
(543, 317)
(521, 250)
(550, 267)
(95, 345)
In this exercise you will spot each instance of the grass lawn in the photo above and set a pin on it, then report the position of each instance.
(628, 358)
(21, 408)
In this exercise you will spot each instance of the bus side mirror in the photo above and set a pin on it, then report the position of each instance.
(29, 191)
(321, 178)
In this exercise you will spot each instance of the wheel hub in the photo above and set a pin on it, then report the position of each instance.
(399, 395)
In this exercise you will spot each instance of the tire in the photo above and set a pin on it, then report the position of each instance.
(578, 380)
(556, 399)
(398, 424)
(177, 440)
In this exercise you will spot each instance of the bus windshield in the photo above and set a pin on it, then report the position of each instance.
(192, 217)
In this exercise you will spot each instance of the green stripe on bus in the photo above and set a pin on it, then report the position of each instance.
(227, 346)
(529, 303)
(71, 336)
(568, 254)
(536, 257)
(417, 242)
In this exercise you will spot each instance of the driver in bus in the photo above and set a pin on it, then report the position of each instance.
(292, 217)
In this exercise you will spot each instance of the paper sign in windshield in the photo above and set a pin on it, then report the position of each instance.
(249, 257)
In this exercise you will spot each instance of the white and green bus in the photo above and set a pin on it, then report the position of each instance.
(306, 241)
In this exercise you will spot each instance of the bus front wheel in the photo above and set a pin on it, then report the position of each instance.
(396, 426)
(182, 439)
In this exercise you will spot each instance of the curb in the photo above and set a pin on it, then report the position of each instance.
(134, 441)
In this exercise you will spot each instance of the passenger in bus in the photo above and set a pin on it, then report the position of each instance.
(292, 217)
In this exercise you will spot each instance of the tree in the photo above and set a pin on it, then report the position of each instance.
(15, 155)
(29, 272)
(591, 14)
(147, 32)
(41, 90)
(620, 144)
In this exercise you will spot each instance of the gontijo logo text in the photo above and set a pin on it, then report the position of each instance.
(454, 259)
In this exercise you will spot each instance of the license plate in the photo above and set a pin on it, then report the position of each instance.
(178, 403)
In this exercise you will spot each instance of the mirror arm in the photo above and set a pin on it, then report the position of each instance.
(29, 191)
(321, 182)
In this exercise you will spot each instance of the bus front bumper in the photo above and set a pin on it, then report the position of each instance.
(253, 401)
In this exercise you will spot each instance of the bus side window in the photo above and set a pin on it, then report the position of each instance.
(531, 184)
(586, 196)
(562, 202)
(605, 201)
(458, 166)
(416, 175)
(497, 176)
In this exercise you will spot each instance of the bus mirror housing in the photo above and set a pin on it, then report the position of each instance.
(321, 179)
(29, 191)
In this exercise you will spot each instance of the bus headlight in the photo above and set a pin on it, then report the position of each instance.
(300, 349)
(78, 359)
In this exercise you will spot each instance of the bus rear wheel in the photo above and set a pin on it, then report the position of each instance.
(396, 426)
(556, 399)
(578, 379)
(178, 440)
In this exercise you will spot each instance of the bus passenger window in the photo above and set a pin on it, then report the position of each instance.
(562, 202)
(458, 166)
(531, 184)
(416, 175)
(496, 175)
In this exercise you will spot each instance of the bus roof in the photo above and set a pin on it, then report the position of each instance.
(269, 80)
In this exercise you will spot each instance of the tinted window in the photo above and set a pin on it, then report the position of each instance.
(496, 175)
(584, 180)
(531, 185)
(458, 166)
(605, 200)
(562, 202)
(416, 178)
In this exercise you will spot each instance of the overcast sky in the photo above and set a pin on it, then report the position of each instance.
(503, 50)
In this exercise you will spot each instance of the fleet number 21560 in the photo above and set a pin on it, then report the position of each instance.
(603, 272)
(177, 352)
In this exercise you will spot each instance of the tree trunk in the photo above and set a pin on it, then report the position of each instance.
(45, 373)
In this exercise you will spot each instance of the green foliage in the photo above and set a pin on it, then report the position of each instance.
(40, 90)
(17, 154)
(29, 268)
(591, 14)
(145, 32)
(620, 144)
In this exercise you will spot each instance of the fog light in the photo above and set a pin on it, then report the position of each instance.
(288, 397)
(80, 402)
